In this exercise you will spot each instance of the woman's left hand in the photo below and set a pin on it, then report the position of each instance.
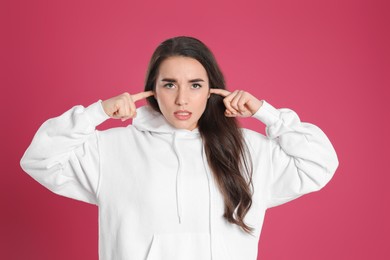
(238, 103)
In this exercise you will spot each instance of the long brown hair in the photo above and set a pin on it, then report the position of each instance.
(224, 144)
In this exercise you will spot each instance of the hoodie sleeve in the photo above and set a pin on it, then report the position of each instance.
(302, 158)
(64, 156)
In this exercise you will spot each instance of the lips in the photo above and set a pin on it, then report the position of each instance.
(182, 114)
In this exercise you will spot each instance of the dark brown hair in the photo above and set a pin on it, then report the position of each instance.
(224, 144)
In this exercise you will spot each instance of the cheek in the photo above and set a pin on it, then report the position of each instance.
(205, 97)
(159, 98)
(164, 102)
(202, 102)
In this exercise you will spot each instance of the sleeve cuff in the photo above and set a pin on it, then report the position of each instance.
(96, 113)
(267, 114)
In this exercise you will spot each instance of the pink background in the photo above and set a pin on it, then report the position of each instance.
(327, 60)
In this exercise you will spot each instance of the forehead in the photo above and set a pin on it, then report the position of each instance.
(184, 67)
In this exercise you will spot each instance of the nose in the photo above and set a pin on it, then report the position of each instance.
(182, 97)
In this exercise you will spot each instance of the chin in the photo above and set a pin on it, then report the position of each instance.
(186, 126)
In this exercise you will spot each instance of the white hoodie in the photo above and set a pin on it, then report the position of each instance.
(156, 194)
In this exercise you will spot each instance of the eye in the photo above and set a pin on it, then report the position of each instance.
(196, 86)
(169, 85)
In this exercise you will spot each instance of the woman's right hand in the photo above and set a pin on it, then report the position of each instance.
(123, 106)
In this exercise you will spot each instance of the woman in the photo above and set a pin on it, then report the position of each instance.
(183, 181)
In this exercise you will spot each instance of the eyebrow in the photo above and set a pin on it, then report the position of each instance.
(174, 80)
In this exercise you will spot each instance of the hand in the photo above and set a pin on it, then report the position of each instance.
(123, 106)
(238, 103)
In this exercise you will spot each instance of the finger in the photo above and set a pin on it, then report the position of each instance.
(125, 113)
(123, 110)
(227, 101)
(132, 108)
(115, 111)
(236, 99)
(141, 95)
(242, 103)
(129, 107)
(229, 114)
(221, 92)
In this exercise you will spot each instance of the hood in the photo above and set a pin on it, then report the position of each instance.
(148, 119)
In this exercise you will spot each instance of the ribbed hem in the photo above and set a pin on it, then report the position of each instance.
(96, 113)
(267, 114)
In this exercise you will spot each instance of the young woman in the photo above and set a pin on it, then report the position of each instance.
(183, 181)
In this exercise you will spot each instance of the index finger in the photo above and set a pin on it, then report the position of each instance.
(221, 92)
(141, 95)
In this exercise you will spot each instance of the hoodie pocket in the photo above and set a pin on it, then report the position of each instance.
(179, 246)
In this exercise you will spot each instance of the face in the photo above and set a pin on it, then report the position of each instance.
(182, 90)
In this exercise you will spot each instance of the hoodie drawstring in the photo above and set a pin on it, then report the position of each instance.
(178, 188)
(208, 174)
(178, 183)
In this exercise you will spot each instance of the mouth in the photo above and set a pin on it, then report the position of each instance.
(182, 114)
